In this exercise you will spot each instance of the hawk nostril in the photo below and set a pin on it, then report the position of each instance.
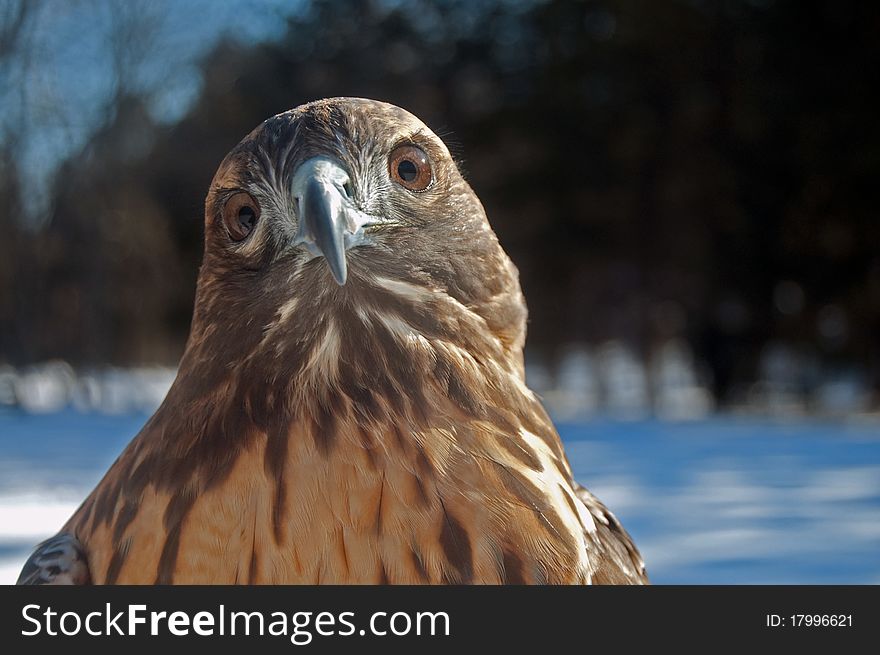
(347, 188)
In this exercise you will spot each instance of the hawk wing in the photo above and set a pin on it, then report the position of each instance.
(60, 560)
(618, 560)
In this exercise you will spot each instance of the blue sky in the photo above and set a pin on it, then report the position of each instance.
(58, 83)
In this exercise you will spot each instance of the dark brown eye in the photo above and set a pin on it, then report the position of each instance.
(240, 214)
(410, 167)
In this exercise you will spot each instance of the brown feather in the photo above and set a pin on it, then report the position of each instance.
(379, 431)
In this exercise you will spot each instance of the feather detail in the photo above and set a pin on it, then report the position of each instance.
(59, 560)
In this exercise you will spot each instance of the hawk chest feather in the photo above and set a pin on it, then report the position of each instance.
(381, 507)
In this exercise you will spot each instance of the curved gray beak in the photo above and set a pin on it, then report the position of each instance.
(329, 222)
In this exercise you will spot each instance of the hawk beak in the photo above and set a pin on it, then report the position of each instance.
(327, 216)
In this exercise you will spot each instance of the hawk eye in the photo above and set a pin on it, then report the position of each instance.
(409, 166)
(240, 214)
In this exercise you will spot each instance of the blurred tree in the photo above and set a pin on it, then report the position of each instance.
(656, 170)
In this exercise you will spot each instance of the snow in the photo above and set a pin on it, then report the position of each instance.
(723, 500)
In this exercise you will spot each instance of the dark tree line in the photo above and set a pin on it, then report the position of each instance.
(705, 170)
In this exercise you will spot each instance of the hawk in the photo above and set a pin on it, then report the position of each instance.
(351, 405)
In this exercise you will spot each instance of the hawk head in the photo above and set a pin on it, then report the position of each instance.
(350, 211)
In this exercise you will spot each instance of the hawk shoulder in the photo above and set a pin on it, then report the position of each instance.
(60, 560)
(617, 561)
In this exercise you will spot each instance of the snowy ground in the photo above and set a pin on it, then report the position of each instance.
(722, 500)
